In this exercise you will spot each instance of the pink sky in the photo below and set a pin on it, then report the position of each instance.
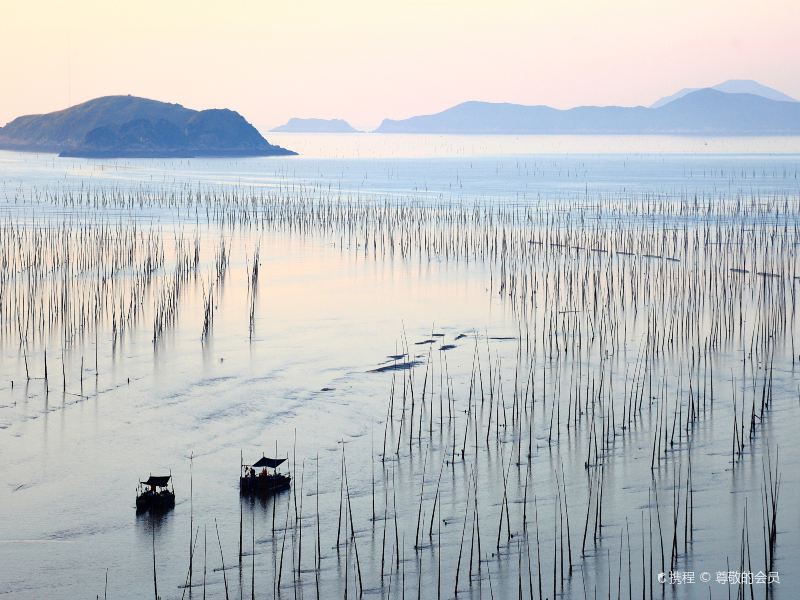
(364, 60)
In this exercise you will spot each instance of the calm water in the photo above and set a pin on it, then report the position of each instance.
(329, 309)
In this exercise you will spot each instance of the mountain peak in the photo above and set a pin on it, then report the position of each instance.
(731, 86)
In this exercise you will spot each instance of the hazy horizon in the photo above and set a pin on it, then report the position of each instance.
(271, 63)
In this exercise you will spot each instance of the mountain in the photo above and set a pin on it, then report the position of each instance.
(128, 126)
(705, 111)
(296, 125)
(732, 86)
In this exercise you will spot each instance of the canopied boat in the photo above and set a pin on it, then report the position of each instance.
(155, 495)
(262, 477)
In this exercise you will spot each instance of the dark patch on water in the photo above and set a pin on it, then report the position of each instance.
(403, 366)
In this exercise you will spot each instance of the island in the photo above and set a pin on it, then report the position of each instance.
(133, 127)
(295, 125)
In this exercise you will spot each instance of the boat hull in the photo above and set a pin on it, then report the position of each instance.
(264, 485)
(150, 502)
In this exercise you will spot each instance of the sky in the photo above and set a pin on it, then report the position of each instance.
(364, 60)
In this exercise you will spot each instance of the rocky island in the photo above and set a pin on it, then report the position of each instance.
(133, 127)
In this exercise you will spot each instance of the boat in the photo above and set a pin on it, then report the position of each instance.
(154, 494)
(262, 477)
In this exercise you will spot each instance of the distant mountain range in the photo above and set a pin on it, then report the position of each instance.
(131, 127)
(705, 111)
(296, 125)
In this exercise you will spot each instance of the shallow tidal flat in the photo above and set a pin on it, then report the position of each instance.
(532, 377)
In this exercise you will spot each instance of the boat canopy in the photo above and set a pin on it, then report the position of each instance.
(157, 480)
(271, 463)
